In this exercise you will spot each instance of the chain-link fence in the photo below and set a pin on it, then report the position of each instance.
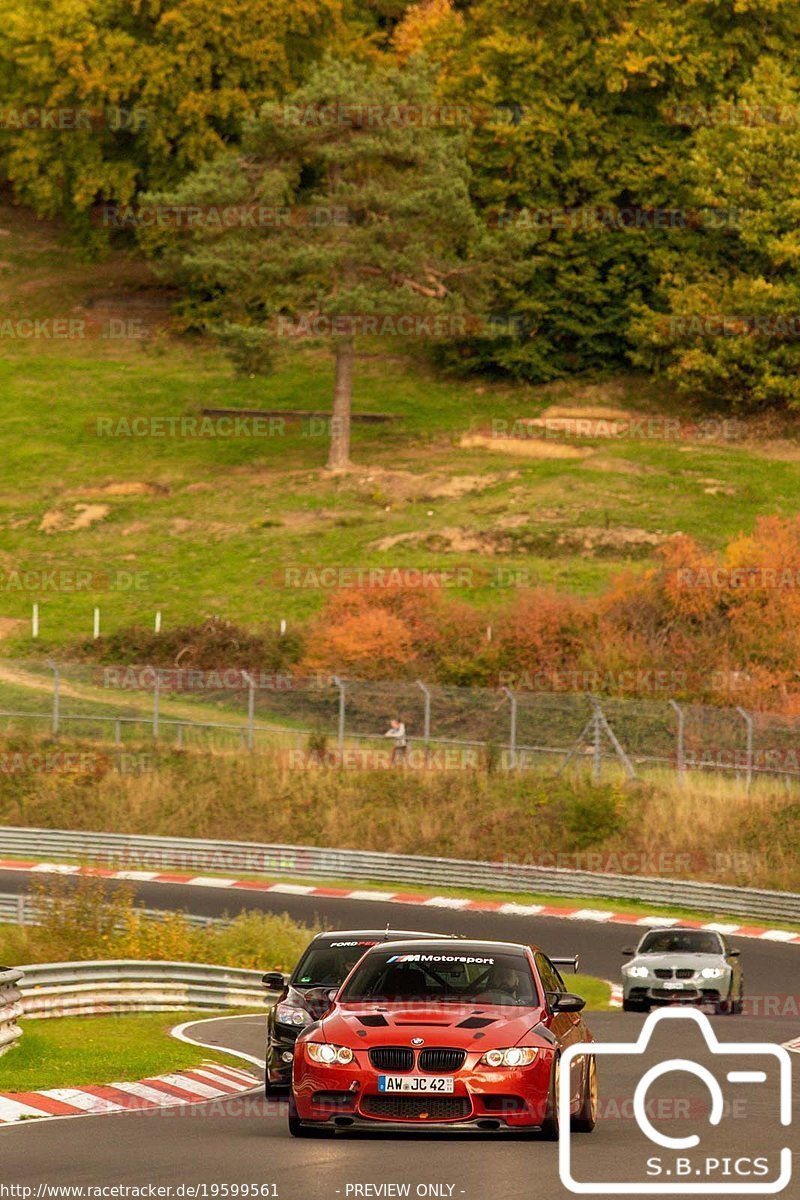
(326, 720)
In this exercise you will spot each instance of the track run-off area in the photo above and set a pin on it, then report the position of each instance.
(225, 1147)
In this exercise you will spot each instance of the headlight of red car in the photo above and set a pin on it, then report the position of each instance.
(515, 1056)
(328, 1055)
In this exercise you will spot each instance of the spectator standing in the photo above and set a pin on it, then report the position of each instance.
(397, 730)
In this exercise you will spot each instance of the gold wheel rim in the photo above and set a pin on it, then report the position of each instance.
(593, 1087)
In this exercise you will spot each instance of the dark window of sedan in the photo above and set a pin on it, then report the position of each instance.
(327, 966)
(668, 941)
(442, 977)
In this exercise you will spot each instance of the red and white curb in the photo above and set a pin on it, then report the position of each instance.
(460, 904)
(210, 1081)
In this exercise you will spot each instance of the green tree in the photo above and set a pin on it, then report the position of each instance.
(731, 331)
(582, 126)
(369, 221)
(168, 83)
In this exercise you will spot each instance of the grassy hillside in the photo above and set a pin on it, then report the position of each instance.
(707, 829)
(203, 526)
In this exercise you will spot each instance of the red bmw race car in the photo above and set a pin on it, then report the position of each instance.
(460, 1036)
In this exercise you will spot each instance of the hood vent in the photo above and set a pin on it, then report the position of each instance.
(476, 1023)
(426, 1024)
(373, 1021)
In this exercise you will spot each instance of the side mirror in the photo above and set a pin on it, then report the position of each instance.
(273, 981)
(332, 994)
(734, 953)
(628, 953)
(565, 1002)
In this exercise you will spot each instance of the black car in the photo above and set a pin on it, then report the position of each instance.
(305, 997)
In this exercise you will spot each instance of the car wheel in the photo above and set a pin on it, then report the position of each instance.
(726, 1006)
(549, 1131)
(585, 1119)
(640, 1006)
(299, 1130)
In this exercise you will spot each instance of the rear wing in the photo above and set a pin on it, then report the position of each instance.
(573, 962)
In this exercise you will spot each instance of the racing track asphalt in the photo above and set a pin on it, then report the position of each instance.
(772, 970)
(244, 1139)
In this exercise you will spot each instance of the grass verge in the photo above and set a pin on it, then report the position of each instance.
(74, 1051)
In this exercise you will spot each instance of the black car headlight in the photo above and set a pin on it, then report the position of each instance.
(289, 1014)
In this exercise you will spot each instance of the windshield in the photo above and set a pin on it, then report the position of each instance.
(328, 964)
(439, 976)
(666, 941)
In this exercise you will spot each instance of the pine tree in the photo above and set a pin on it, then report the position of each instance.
(369, 185)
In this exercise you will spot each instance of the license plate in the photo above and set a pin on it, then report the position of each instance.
(675, 985)
(415, 1083)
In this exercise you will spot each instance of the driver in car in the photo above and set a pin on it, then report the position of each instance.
(502, 985)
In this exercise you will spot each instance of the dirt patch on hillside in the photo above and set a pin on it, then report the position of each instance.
(619, 466)
(524, 447)
(592, 412)
(517, 534)
(82, 517)
(130, 487)
(9, 625)
(399, 486)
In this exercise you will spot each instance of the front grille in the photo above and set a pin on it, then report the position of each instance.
(684, 973)
(438, 1059)
(392, 1058)
(668, 994)
(417, 1108)
(663, 973)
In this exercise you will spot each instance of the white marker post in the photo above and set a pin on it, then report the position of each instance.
(35, 621)
(283, 626)
(96, 633)
(158, 622)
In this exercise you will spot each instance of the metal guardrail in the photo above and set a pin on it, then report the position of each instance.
(10, 1008)
(195, 855)
(15, 910)
(127, 985)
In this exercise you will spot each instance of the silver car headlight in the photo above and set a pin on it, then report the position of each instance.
(636, 972)
(713, 972)
(287, 1014)
(329, 1055)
